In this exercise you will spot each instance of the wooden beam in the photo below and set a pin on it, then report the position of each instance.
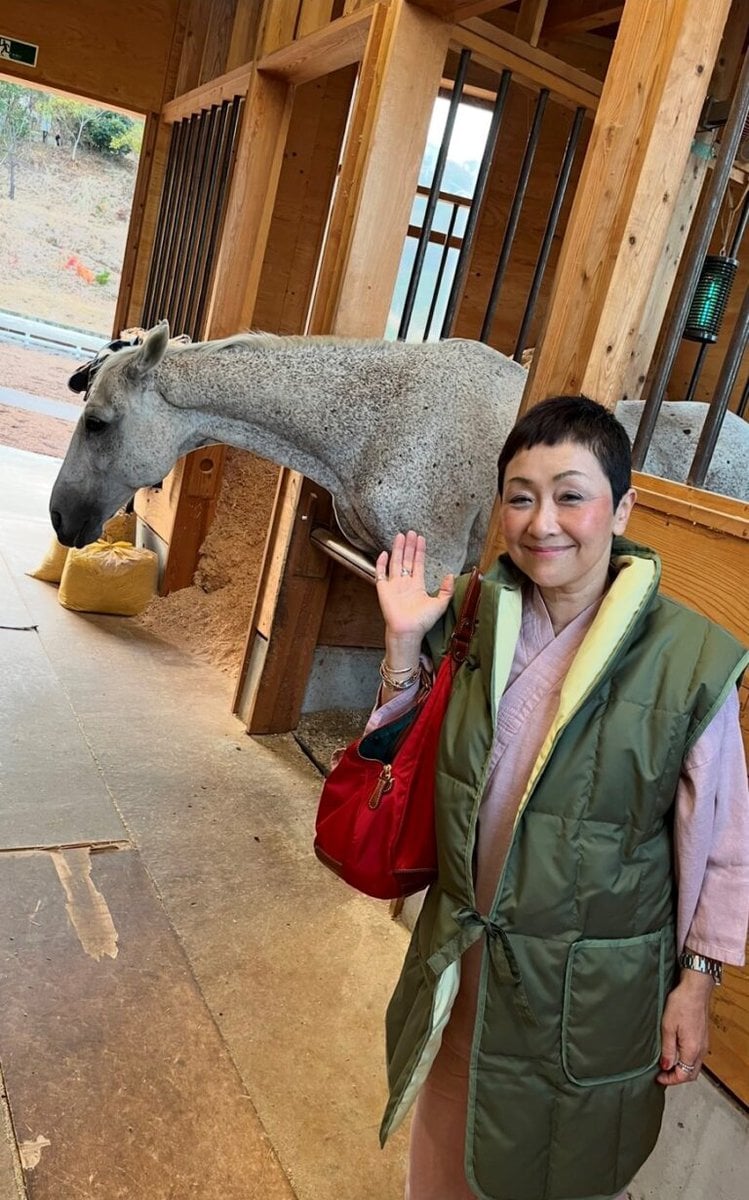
(277, 25)
(234, 83)
(288, 611)
(564, 17)
(460, 10)
(389, 124)
(141, 230)
(530, 20)
(217, 44)
(629, 188)
(314, 15)
(259, 156)
(336, 45)
(244, 33)
(501, 49)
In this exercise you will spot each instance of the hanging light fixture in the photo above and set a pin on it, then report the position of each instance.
(710, 298)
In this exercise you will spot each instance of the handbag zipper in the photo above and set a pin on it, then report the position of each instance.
(384, 784)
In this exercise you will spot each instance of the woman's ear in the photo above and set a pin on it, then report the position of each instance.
(624, 510)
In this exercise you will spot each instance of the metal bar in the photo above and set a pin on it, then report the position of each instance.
(148, 316)
(705, 224)
(719, 406)
(441, 270)
(514, 214)
(744, 399)
(434, 191)
(189, 241)
(740, 229)
(169, 221)
(551, 226)
(226, 165)
(697, 371)
(178, 245)
(477, 200)
(218, 133)
(342, 552)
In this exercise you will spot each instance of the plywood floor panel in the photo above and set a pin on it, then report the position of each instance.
(119, 1083)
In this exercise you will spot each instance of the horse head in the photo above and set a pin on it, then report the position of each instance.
(128, 436)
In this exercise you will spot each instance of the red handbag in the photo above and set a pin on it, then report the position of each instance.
(375, 821)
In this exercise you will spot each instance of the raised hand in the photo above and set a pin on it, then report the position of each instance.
(408, 609)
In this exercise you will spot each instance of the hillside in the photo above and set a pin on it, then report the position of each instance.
(66, 226)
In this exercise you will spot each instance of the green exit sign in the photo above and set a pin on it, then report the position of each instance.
(20, 52)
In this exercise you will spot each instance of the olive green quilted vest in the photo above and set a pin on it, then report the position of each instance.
(578, 949)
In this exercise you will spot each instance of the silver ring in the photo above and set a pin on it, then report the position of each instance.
(688, 1067)
(404, 571)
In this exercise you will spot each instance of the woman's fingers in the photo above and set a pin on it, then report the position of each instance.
(396, 555)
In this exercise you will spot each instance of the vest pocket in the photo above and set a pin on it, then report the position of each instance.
(614, 992)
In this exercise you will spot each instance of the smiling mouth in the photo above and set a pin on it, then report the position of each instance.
(547, 549)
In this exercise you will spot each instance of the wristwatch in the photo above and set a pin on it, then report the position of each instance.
(700, 962)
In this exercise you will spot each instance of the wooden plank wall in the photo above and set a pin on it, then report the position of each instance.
(98, 49)
(705, 551)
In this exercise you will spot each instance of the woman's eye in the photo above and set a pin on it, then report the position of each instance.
(94, 424)
(519, 501)
(570, 498)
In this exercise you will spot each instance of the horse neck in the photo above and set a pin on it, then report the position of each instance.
(289, 400)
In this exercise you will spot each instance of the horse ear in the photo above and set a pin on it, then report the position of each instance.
(150, 354)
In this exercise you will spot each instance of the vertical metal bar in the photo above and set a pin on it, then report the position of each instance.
(744, 399)
(434, 193)
(225, 168)
(514, 214)
(551, 226)
(697, 371)
(197, 186)
(148, 316)
(740, 229)
(717, 410)
(178, 245)
(170, 221)
(219, 122)
(441, 270)
(706, 220)
(477, 200)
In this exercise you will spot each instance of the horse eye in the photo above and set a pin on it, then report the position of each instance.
(94, 424)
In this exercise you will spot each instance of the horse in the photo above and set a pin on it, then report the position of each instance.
(403, 435)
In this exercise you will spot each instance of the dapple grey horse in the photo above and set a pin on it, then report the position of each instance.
(403, 435)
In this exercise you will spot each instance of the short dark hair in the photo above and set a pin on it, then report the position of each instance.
(574, 419)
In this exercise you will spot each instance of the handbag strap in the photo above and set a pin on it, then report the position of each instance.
(465, 626)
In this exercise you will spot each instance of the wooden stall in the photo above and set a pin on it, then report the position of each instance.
(336, 98)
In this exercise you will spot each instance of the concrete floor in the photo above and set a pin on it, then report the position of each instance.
(191, 1006)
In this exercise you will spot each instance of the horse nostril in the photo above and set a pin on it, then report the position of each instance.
(56, 519)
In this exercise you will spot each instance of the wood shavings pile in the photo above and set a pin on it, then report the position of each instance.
(210, 619)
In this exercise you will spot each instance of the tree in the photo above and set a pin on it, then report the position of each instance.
(74, 116)
(113, 134)
(15, 127)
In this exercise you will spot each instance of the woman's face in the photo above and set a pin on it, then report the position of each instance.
(558, 516)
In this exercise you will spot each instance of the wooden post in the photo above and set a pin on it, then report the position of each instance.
(530, 20)
(388, 125)
(629, 189)
(260, 150)
(617, 261)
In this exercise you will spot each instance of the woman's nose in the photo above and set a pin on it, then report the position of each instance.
(543, 521)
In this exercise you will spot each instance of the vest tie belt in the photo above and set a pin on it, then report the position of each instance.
(471, 926)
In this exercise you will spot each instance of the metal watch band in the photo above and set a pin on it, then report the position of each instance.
(700, 962)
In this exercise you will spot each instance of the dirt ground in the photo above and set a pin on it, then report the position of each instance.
(62, 238)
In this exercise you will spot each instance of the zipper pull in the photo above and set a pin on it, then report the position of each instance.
(384, 784)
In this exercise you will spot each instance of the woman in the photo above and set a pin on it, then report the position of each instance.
(590, 761)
